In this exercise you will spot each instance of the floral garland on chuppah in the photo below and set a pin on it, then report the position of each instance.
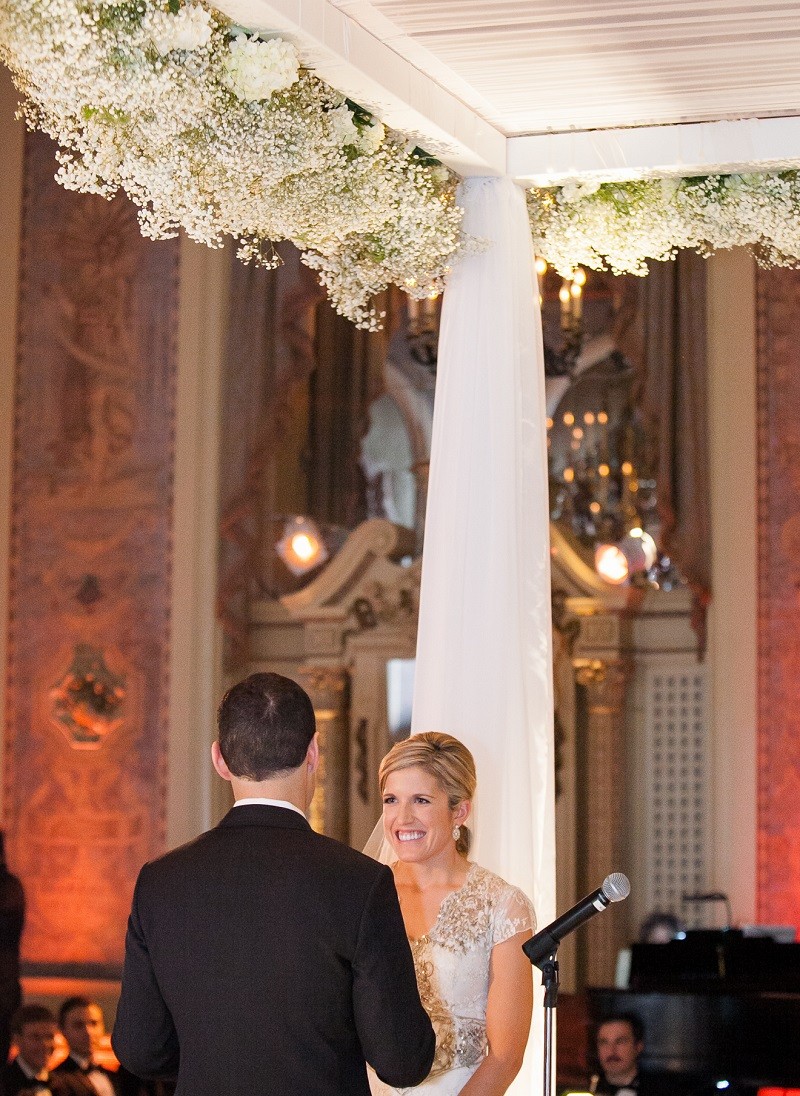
(210, 128)
(223, 132)
(619, 225)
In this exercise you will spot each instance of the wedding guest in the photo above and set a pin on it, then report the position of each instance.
(619, 1043)
(465, 924)
(12, 919)
(83, 1026)
(34, 1031)
(659, 928)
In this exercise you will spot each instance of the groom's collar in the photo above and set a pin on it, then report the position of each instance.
(265, 814)
(259, 801)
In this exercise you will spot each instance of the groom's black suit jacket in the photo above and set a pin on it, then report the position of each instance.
(263, 959)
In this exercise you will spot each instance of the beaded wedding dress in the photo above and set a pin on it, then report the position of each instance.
(452, 965)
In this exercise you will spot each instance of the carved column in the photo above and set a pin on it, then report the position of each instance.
(329, 692)
(604, 815)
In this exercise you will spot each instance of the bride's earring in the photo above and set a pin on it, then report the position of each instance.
(456, 832)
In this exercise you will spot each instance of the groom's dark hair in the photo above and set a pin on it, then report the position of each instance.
(266, 723)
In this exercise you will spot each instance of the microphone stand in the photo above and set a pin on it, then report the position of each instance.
(542, 948)
(549, 968)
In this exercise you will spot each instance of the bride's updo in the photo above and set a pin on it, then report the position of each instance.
(444, 758)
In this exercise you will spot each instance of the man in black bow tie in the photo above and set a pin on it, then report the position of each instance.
(83, 1026)
(34, 1031)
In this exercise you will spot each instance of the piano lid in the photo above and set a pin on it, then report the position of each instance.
(716, 960)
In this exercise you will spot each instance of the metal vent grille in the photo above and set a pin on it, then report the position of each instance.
(678, 775)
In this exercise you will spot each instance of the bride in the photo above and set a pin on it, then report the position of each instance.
(466, 925)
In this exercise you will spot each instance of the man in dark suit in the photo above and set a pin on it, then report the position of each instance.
(263, 957)
(12, 919)
(34, 1030)
(83, 1026)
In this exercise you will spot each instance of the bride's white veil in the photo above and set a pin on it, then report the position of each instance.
(378, 847)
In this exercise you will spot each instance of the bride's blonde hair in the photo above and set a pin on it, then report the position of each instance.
(444, 758)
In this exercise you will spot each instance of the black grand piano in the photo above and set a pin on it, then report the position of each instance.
(717, 1007)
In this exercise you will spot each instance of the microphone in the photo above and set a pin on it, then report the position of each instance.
(544, 943)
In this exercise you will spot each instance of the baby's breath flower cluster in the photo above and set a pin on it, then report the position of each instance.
(223, 133)
(618, 226)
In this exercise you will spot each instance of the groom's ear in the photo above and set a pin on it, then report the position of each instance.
(218, 761)
(312, 754)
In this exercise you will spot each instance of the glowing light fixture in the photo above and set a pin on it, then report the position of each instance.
(640, 550)
(301, 547)
(617, 562)
(611, 564)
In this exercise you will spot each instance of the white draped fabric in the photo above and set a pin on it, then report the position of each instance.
(484, 667)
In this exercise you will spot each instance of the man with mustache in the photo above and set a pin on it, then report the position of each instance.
(620, 1041)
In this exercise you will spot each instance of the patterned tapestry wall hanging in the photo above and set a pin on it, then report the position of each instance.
(778, 597)
(86, 723)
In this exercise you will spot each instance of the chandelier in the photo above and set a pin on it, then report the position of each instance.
(602, 483)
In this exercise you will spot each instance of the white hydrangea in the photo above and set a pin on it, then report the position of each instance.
(576, 189)
(371, 137)
(189, 28)
(343, 125)
(255, 69)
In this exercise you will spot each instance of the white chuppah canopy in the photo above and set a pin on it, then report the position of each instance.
(484, 669)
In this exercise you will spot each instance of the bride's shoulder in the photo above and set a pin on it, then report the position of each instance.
(512, 910)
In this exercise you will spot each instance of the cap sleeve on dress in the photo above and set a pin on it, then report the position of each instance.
(513, 913)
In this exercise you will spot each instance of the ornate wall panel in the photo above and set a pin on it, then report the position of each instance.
(778, 881)
(90, 579)
(677, 786)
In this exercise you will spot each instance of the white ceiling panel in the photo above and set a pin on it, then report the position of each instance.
(534, 66)
(545, 90)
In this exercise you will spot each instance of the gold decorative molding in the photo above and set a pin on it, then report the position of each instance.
(371, 540)
(604, 751)
(328, 687)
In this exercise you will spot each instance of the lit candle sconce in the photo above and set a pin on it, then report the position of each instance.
(571, 297)
(602, 423)
(565, 297)
(604, 472)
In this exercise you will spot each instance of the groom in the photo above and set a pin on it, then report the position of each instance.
(263, 957)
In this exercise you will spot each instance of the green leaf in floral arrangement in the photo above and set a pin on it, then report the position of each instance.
(361, 116)
(374, 248)
(107, 115)
(118, 16)
(174, 6)
(424, 157)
